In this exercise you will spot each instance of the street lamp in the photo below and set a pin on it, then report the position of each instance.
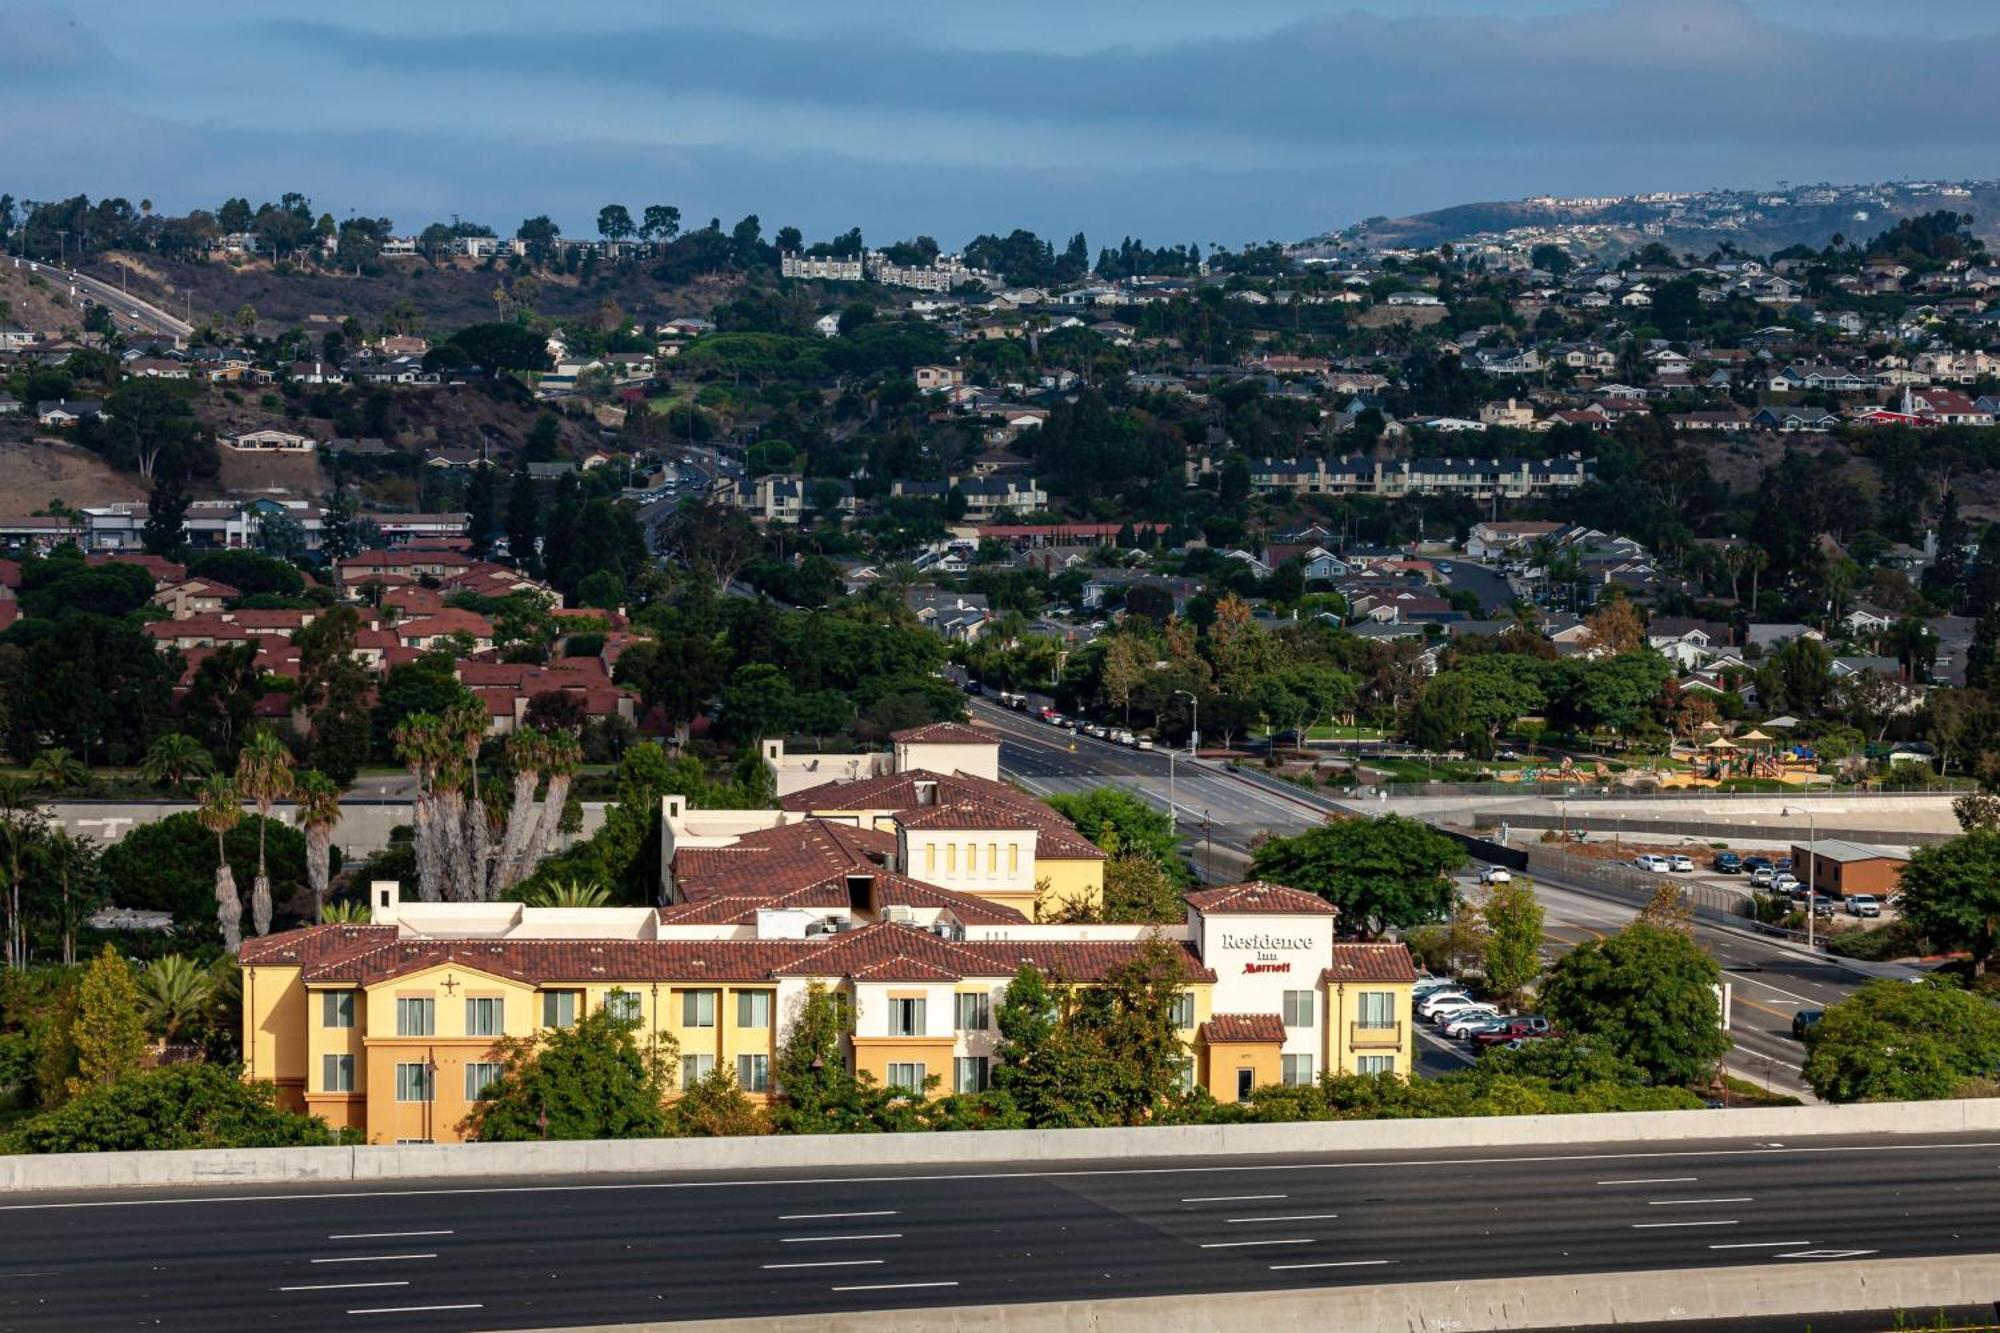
(1194, 738)
(1812, 865)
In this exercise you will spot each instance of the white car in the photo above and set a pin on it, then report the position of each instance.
(1462, 1023)
(1653, 862)
(1496, 875)
(1443, 1014)
(1683, 865)
(1438, 999)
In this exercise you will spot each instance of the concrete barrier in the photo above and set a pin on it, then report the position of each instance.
(496, 1161)
(1920, 1286)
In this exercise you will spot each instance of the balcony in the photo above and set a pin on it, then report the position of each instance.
(1361, 1038)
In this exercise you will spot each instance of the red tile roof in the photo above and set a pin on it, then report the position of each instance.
(541, 962)
(1257, 896)
(1243, 1028)
(943, 733)
(918, 791)
(779, 860)
(1370, 962)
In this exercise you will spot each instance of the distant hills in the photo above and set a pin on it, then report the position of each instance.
(1755, 221)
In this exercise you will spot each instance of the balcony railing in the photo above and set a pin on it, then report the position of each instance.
(1359, 1036)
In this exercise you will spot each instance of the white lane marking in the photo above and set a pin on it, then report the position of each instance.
(1654, 1226)
(818, 1217)
(1078, 1173)
(1828, 1254)
(1246, 1244)
(827, 1263)
(371, 1258)
(46, 1272)
(1296, 1217)
(413, 1309)
(1669, 1203)
(1335, 1263)
(342, 1286)
(385, 1235)
(1231, 1198)
(1654, 1180)
(896, 1286)
(1760, 1245)
(814, 1240)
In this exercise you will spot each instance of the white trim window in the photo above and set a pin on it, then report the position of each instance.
(753, 1009)
(906, 1017)
(1298, 1008)
(1183, 1010)
(1375, 1009)
(974, 1012)
(1374, 1064)
(698, 1008)
(336, 1009)
(625, 1006)
(1295, 1070)
(485, 1016)
(336, 1073)
(753, 1073)
(416, 1017)
(558, 1008)
(416, 1081)
(906, 1076)
(970, 1073)
(479, 1076)
(695, 1068)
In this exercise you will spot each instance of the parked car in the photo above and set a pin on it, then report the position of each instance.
(1782, 864)
(1519, 1026)
(1432, 1007)
(1728, 863)
(1683, 865)
(1466, 1022)
(1653, 862)
(1822, 907)
(1496, 875)
(1805, 1020)
(1145, 743)
(1446, 1013)
(1755, 863)
(1761, 877)
(974, 687)
(1784, 881)
(1864, 904)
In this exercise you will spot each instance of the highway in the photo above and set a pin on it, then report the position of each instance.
(461, 1255)
(1769, 982)
(141, 315)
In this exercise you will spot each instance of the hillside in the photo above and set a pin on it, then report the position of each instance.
(31, 301)
(32, 473)
(1755, 223)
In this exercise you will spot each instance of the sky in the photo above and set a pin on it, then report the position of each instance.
(1165, 120)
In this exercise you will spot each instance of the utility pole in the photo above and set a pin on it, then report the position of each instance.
(1812, 866)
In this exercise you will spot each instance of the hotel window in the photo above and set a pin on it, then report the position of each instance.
(624, 1005)
(992, 859)
(479, 1076)
(975, 1013)
(336, 1073)
(1375, 1064)
(416, 1018)
(753, 1073)
(969, 1073)
(1184, 1074)
(695, 1068)
(1183, 1010)
(951, 858)
(336, 1009)
(1013, 858)
(906, 1018)
(1295, 1070)
(415, 1083)
(753, 1009)
(558, 1008)
(484, 1015)
(906, 1076)
(1375, 1009)
(1298, 1008)
(697, 1008)
(930, 858)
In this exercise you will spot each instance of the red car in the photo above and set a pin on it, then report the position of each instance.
(1526, 1026)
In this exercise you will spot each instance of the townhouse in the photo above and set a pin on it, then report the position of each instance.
(392, 1028)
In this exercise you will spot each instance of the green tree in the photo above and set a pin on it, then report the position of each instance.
(56, 769)
(174, 760)
(1892, 1041)
(1648, 994)
(1513, 938)
(758, 701)
(817, 1092)
(165, 532)
(1138, 888)
(1057, 1079)
(1118, 821)
(264, 777)
(110, 1031)
(714, 1108)
(1380, 873)
(1950, 893)
(174, 994)
(591, 1080)
(177, 1107)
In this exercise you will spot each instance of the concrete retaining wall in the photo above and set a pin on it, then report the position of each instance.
(1008, 1148)
(1919, 1286)
(364, 827)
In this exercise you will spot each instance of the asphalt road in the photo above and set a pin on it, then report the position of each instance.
(455, 1255)
(135, 312)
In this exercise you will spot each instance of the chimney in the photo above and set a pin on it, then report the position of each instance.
(384, 895)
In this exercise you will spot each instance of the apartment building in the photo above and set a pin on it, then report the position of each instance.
(1475, 478)
(392, 1027)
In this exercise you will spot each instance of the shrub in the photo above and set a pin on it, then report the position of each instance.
(178, 1107)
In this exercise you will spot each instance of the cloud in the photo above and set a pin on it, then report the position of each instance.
(46, 45)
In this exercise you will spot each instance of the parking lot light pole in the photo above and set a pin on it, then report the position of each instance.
(1812, 867)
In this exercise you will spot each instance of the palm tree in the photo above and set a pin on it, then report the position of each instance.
(264, 777)
(317, 798)
(19, 823)
(344, 914)
(566, 893)
(174, 760)
(57, 770)
(174, 992)
(65, 851)
(219, 813)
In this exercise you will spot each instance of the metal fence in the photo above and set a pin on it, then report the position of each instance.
(1581, 790)
(1629, 884)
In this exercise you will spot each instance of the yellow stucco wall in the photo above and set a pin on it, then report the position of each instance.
(1224, 1059)
(1077, 880)
(1345, 1043)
